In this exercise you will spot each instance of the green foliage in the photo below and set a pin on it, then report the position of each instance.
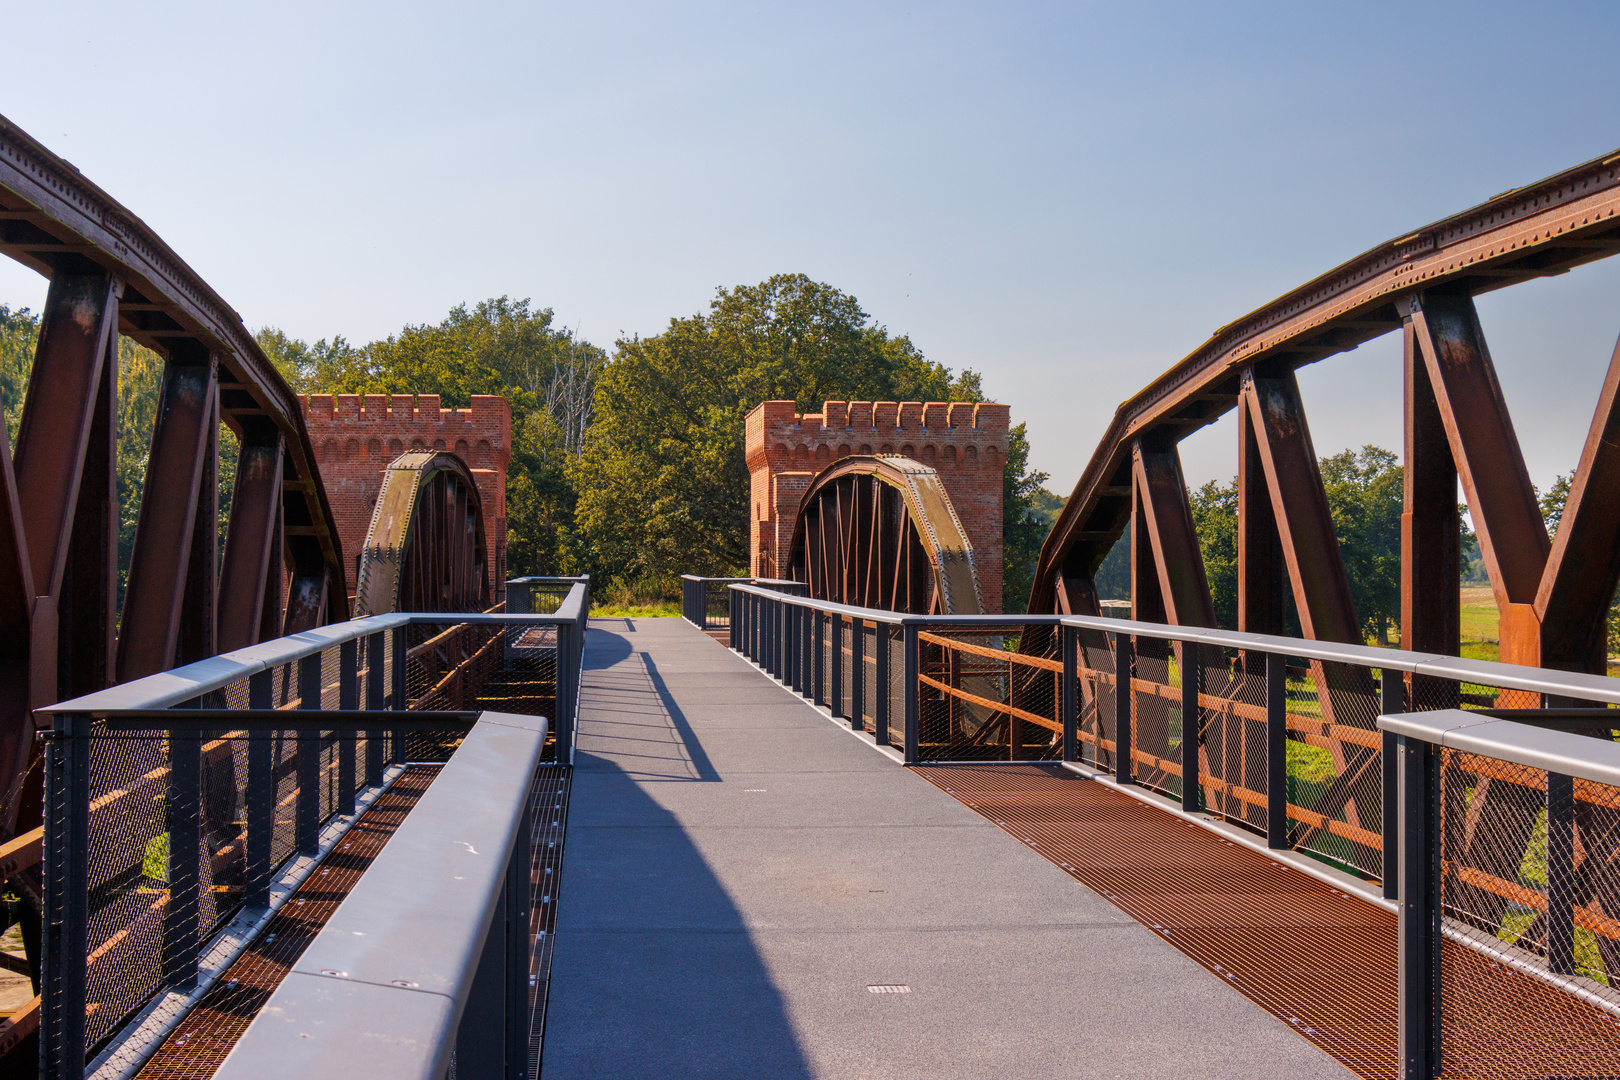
(661, 481)
(19, 331)
(500, 346)
(1024, 527)
(1215, 516)
(1365, 492)
(155, 861)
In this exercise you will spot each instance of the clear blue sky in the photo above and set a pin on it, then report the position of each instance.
(1067, 197)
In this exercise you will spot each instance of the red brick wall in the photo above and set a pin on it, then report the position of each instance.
(355, 440)
(965, 442)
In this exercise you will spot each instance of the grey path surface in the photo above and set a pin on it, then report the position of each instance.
(738, 871)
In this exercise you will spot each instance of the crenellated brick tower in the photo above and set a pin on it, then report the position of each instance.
(965, 442)
(355, 438)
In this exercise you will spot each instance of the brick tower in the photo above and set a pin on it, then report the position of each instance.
(965, 442)
(356, 438)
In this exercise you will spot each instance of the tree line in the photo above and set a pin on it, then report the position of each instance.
(627, 465)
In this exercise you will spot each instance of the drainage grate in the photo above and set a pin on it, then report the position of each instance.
(1317, 958)
(891, 988)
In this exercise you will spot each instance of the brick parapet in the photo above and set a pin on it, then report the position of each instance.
(965, 442)
(355, 438)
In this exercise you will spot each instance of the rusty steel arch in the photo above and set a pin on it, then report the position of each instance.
(62, 631)
(425, 549)
(1552, 593)
(879, 531)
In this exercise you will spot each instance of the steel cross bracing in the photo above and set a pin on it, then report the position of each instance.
(1552, 593)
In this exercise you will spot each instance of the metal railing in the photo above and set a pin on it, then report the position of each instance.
(1508, 842)
(181, 808)
(705, 602)
(1277, 736)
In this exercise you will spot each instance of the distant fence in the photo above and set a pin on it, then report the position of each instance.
(706, 604)
(1279, 736)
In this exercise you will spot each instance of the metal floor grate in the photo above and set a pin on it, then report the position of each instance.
(201, 1041)
(1315, 957)
(550, 825)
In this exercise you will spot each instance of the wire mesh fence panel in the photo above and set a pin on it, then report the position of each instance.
(1098, 700)
(979, 700)
(1530, 886)
(128, 876)
(1335, 765)
(1233, 743)
(1155, 717)
(716, 604)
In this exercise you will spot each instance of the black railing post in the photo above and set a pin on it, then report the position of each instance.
(261, 796)
(182, 915)
(400, 690)
(1419, 926)
(348, 701)
(880, 692)
(1276, 750)
(1560, 874)
(1070, 697)
(1124, 773)
(307, 813)
(1392, 703)
(66, 927)
(1192, 680)
(857, 674)
(567, 664)
(913, 691)
(734, 618)
(376, 700)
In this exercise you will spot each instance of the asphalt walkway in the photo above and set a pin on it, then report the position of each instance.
(740, 872)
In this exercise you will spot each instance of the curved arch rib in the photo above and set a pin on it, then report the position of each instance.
(879, 531)
(425, 549)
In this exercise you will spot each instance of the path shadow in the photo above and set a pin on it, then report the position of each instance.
(655, 973)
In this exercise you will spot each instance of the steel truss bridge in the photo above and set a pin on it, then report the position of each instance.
(229, 804)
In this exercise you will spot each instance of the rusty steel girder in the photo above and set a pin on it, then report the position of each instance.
(425, 549)
(1552, 593)
(61, 632)
(879, 531)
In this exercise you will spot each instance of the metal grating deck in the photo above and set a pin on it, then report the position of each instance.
(1317, 958)
(200, 1043)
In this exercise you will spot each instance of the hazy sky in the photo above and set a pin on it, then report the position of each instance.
(1067, 197)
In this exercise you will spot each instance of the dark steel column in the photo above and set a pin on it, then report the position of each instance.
(398, 679)
(1560, 874)
(1393, 703)
(348, 701)
(1276, 751)
(1070, 697)
(1124, 773)
(307, 813)
(376, 701)
(67, 895)
(1419, 928)
(818, 658)
(261, 796)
